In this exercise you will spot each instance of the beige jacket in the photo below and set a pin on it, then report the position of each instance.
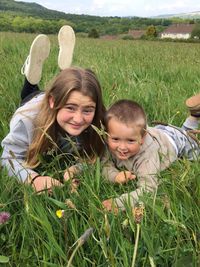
(155, 155)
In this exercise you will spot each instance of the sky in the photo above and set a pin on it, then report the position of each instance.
(140, 8)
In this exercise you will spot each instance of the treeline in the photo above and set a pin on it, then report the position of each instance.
(103, 25)
(30, 24)
(34, 18)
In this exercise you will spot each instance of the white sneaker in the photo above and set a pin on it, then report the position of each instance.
(66, 40)
(39, 51)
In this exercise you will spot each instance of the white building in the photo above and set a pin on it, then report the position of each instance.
(178, 31)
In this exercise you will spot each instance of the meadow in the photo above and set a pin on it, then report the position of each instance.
(160, 76)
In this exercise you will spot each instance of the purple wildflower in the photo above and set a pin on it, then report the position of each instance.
(4, 217)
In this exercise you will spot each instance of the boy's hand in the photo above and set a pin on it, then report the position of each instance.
(109, 205)
(70, 172)
(124, 177)
(74, 185)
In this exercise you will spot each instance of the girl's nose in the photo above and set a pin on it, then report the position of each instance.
(78, 117)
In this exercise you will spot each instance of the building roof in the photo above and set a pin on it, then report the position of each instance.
(179, 28)
(109, 37)
(136, 33)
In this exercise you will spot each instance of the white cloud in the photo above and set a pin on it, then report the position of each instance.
(172, 7)
(112, 7)
(122, 7)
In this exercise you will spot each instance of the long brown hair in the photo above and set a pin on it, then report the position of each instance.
(45, 134)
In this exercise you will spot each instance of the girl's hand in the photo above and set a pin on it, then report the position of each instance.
(42, 183)
(70, 172)
(124, 176)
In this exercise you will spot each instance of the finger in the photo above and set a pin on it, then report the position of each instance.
(38, 192)
(106, 204)
(115, 211)
(55, 183)
(58, 183)
(132, 177)
(76, 182)
(66, 177)
(50, 192)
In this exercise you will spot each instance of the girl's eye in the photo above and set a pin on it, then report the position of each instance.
(70, 108)
(88, 111)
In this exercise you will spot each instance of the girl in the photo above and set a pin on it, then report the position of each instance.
(57, 121)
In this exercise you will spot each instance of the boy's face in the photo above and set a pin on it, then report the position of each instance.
(123, 140)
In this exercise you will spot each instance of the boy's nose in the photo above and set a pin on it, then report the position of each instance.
(122, 147)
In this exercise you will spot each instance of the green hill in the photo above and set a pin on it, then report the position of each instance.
(31, 9)
(36, 10)
(10, 9)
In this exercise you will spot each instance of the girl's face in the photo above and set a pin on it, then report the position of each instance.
(77, 114)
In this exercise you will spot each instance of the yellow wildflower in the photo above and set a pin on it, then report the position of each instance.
(60, 213)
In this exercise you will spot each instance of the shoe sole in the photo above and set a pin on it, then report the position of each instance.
(193, 102)
(66, 41)
(39, 52)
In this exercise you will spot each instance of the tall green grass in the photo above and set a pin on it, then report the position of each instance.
(160, 76)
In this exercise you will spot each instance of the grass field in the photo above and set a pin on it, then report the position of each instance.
(160, 76)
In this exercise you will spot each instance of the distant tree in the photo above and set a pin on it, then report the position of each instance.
(93, 34)
(166, 22)
(191, 21)
(63, 22)
(151, 31)
(5, 23)
(196, 32)
(16, 24)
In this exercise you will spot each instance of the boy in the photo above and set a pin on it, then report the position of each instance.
(144, 151)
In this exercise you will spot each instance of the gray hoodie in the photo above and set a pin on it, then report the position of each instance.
(17, 141)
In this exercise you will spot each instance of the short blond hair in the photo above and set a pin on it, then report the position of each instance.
(127, 112)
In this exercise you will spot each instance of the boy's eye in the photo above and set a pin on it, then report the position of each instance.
(132, 141)
(115, 139)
